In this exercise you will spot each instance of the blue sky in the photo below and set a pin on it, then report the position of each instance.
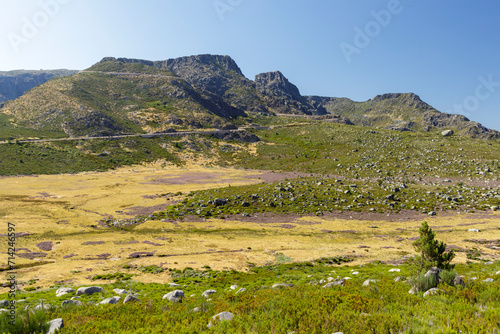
(445, 51)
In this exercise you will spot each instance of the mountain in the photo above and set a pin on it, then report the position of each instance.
(402, 112)
(15, 83)
(123, 96)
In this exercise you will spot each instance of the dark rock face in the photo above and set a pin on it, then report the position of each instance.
(220, 78)
(275, 83)
(283, 97)
(15, 83)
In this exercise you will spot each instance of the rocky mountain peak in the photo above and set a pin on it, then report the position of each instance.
(207, 61)
(277, 83)
(408, 99)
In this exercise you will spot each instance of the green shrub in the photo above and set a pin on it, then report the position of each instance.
(448, 277)
(25, 321)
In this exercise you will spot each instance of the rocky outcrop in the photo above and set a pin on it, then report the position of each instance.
(284, 97)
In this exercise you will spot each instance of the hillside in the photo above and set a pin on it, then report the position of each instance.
(133, 96)
(402, 112)
(15, 83)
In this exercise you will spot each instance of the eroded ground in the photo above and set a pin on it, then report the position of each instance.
(60, 238)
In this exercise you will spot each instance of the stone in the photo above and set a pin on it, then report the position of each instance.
(432, 213)
(89, 290)
(111, 300)
(430, 292)
(282, 285)
(399, 278)
(233, 287)
(64, 291)
(120, 291)
(241, 290)
(413, 290)
(55, 325)
(369, 282)
(338, 282)
(474, 230)
(355, 273)
(4, 303)
(42, 306)
(130, 299)
(223, 316)
(71, 302)
(394, 270)
(174, 285)
(458, 281)
(447, 133)
(494, 208)
(489, 280)
(220, 201)
(207, 293)
(434, 271)
(174, 296)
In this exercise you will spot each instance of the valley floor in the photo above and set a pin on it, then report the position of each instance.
(61, 237)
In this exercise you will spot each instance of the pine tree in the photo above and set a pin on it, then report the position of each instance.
(432, 252)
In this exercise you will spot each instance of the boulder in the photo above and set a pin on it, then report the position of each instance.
(111, 300)
(430, 292)
(55, 325)
(458, 281)
(338, 282)
(89, 290)
(207, 293)
(434, 272)
(120, 291)
(370, 281)
(130, 299)
(223, 316)
(220, 201)
(71, 302)
(64, 291)
(447, 133)
(174, 296)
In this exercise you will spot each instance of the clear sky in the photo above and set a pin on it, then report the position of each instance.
(445, 51)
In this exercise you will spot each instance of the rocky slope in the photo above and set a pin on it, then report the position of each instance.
(15, 83)
(402, 112)
(122, 95)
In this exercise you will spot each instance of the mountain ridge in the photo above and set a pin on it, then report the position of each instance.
(207, 91)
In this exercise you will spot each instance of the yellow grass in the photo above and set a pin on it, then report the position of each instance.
(62, 208)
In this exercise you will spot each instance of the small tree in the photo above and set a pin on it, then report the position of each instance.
(432, 252)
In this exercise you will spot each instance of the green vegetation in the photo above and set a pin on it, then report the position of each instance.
(115, 65)
(73, 157)
(114, 276)
(26, 321)
(382, 307)
(319, 195)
